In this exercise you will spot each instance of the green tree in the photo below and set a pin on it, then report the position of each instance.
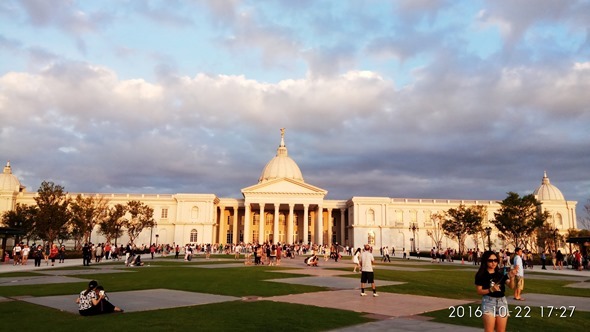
(53, 215)
(518, 217)
(436, 234)
(142, 216)
(87, 212)
(112, 225)
(547, 238)
(22, 218)
(463, 221)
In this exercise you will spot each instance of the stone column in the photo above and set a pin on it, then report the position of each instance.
(305, 222)
(261, 223)
(320, 226)
(290, 225)
(342, 225)
(330, 225)
(247, 223)
(235, 237)
(222, 236)
(275, 229)
(215, 226)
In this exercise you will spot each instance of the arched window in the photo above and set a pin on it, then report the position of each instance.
(194, 235)
(428, 218)
(399, 218)
(195, 212)
(371, 217)
(371, 238)
(558, 220)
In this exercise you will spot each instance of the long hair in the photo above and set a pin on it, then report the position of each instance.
(483, 266)
(357, 250)
(91, 286)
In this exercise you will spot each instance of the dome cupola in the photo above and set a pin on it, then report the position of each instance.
(9, 182)
(548, 192)
(281, 166)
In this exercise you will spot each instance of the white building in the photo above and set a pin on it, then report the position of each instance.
(283, 207)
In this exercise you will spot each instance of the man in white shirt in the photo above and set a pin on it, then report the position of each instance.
(367, 260)
(519, 279)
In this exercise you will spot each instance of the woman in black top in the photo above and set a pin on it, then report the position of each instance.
(491, 281)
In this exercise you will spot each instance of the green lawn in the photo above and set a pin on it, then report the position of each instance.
(443, 280)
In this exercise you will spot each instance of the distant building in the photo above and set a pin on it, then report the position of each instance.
(282, 207)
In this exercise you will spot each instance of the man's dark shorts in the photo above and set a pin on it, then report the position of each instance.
(367, 277)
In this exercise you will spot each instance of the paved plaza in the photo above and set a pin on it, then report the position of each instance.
(394, 312)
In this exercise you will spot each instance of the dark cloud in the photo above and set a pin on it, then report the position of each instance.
(460, 126)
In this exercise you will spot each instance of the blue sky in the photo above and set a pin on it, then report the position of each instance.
(421, 98)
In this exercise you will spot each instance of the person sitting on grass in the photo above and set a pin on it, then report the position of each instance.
(93, 301)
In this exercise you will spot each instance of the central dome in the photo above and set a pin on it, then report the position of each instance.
(281, 166)
(548, 192)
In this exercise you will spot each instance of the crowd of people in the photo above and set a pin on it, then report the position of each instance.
(21, 253)
(268, 254)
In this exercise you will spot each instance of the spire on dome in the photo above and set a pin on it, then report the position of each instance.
(281, 166)
(7, 169)
(545, 178)
(548, 192)
(282, 150)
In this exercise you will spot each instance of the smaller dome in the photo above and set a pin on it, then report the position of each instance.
(547, 191)
(9, 182)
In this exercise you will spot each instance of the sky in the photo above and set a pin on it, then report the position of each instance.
(401, 99)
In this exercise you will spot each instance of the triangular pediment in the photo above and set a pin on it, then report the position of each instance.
(284, 186)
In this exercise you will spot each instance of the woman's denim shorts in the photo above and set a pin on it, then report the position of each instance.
(497, 306)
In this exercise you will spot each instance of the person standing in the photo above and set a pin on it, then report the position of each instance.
(386, 257)
(490, 282)
(38, 255)
(86, 255)
(543, 260)
(518, 264)
(53, 253)
(355, 260)
(559, 257)
(367, 275)
(62, 253)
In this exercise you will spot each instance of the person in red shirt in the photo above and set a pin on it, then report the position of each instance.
(53, 252)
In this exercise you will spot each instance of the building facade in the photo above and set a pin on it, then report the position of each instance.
(283, 208)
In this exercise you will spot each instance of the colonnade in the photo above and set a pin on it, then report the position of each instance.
(242, 223)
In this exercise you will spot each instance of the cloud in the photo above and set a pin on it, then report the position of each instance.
(392, 100)
(64, 15)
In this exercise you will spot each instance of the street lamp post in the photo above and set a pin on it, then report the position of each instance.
(488, 232)
(555, 231)
(152, 231)
(414, 228)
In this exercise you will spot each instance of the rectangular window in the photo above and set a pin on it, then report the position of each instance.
(165, 213)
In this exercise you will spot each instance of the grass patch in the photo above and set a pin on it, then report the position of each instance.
(443, 280)
(519, 320)
(225, 281)
(227, 316)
